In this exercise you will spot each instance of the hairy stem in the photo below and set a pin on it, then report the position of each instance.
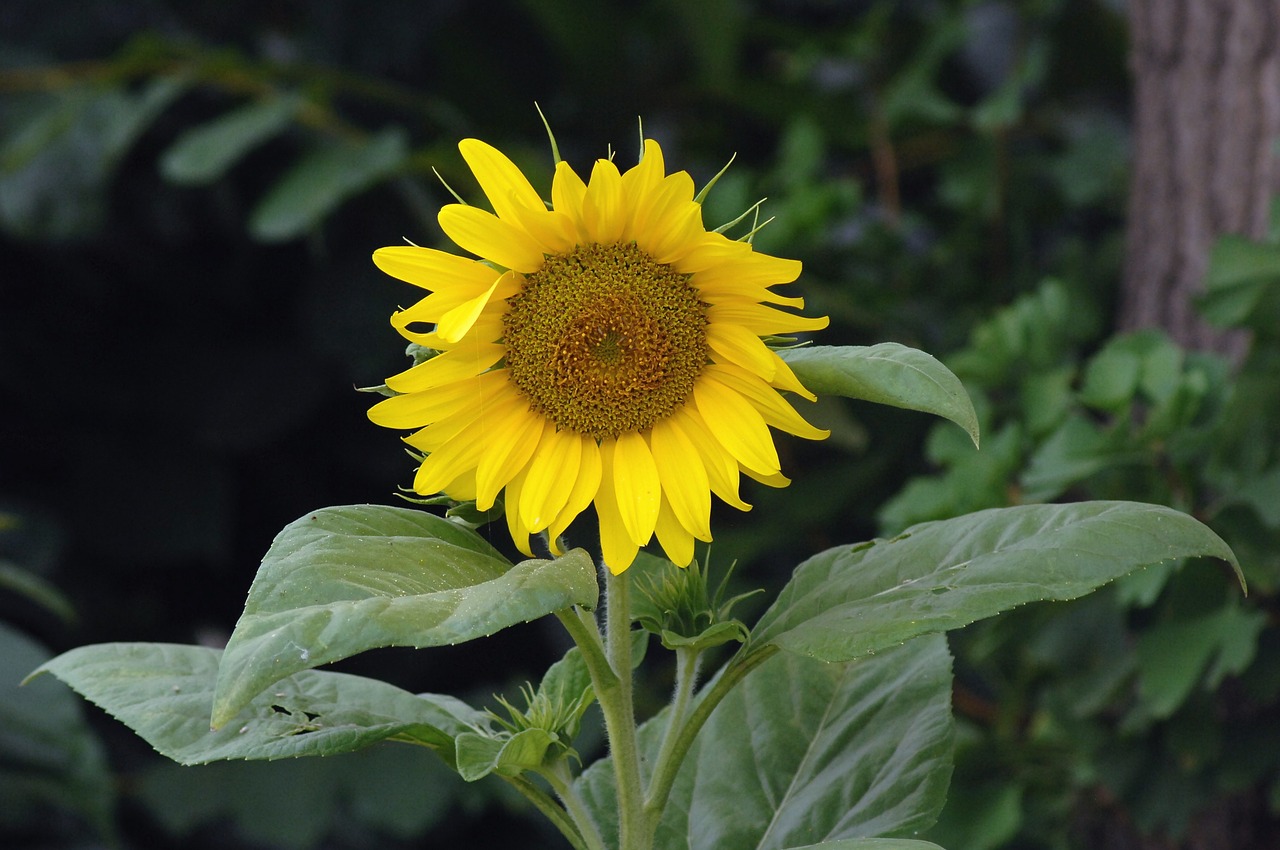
(686, 675)
(664, 774)
(619, 715)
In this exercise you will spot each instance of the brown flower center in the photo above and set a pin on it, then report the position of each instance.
(605, 340)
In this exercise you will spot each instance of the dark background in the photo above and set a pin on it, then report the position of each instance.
(179, 349)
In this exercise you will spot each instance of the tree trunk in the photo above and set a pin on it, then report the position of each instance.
(1207, 120)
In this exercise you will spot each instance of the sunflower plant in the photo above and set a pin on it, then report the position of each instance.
(598, 367)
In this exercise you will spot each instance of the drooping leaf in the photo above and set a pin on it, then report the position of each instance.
(164, 692)
(803, 751)
(322, 179)
(348, 579)
(203, 154)
(887, 373)
(854, 600)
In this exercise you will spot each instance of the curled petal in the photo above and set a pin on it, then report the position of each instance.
(485, 235)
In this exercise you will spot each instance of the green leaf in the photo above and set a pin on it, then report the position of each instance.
(802, 750)
(887, 373)
(323, 179)
(203, 154)
(1241, 275)
(164, 692)
(854, 600)
(348, 579)
(479, 755)
(1173, 656)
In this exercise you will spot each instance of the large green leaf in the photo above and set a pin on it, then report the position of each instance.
(854, 600)
(348, 579)
(322, 179)
(203, 154)
(887, 373)
(802, 752)
(164, 692)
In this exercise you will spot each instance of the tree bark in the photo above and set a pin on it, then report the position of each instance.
(1207, 120)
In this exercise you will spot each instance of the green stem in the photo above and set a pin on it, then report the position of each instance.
(561, 781)
(554, 813)
(619, 716)
(686, 674)
(664, 774)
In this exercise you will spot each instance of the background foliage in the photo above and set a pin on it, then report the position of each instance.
(189, 194)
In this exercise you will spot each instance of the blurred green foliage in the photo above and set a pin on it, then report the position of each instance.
(189, 194)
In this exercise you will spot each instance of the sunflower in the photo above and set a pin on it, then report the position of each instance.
(605, 350)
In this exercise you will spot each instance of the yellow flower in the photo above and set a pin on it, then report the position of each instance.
(605, 350)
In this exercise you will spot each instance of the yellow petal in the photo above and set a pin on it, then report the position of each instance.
(736, 424)
(555, 231)
(666, 222)
(776, 480)
(456, 323)
(720, 466)
(462, 488)
(603, 213)
(713, 251)
(762, 320)
(503, 183)
(567, 194)
(586, 486)
(617, 547)
(636, 485)
(519, 533)
(752, 269)
(773, 407)
(416, 410)
(674, 538)
(646, 176)
(735, 344)
(485, 235)
(684, 478)
(512, 434)
(461, 424)
(552, 474)
(785, 379)
(446, 464)
(454, 365)
(434, 270)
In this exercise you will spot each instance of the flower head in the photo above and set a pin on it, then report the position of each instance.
(605, 350)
